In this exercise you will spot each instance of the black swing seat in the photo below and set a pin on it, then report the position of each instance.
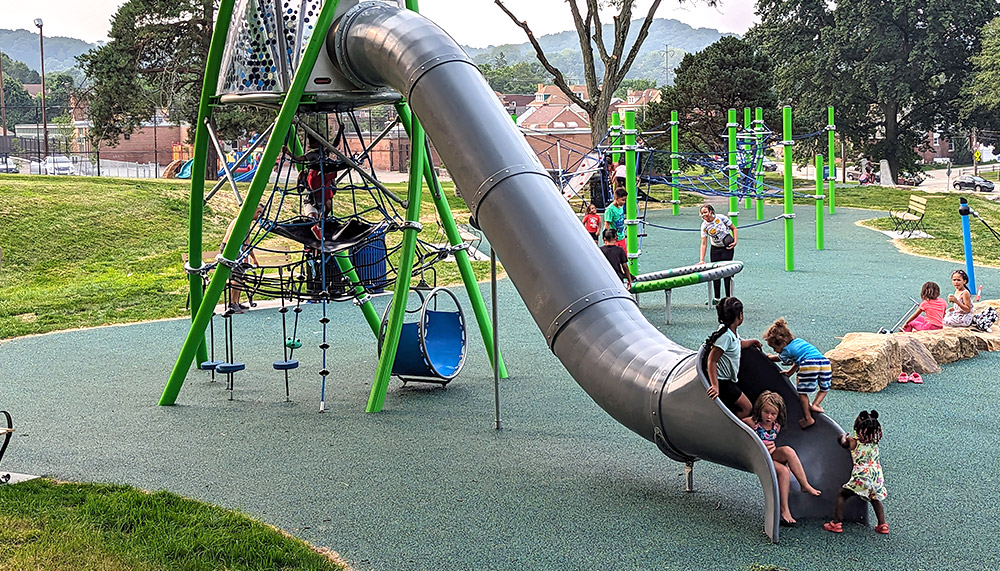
(337, 234)
(209, 365)
(286, 365)
(227, 368)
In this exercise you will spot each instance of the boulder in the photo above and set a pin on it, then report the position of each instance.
(865, 362)
(987, 341)
(946, 345)
(915, 356)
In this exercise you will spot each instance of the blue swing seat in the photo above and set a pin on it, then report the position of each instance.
(432, 349)
(209, 365)
(286, 365)
(227, 368)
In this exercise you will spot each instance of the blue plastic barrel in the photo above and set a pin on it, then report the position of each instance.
(369, 261)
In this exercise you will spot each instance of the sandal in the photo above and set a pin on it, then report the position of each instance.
(915, 378)
(882, 528)
(903, 378)
(837, 527)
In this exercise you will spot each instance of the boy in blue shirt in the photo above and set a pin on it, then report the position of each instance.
(813, 367)
(614, 217)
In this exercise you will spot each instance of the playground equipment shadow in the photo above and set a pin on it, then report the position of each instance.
(429, 484)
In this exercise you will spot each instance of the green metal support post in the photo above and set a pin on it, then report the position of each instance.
(831, 131)
(675, 169)
(201, 139)
(734, 201)
(787, 143)
(454, 239)
(758, 202)
(819, 202)
(196, 335)
(631, 203)
(747, 123)
(407, 254)
(616, 142)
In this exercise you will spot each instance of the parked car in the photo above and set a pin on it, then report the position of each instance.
(910, 178)
(58, 164)
(769, 165)
(7, 166)
(970, 182)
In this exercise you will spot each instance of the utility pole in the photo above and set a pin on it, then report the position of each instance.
(3, 104)
(666, 63)
(41, 51)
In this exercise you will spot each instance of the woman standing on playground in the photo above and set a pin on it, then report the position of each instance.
(722, 232)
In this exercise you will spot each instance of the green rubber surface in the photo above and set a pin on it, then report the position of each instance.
(429, 484)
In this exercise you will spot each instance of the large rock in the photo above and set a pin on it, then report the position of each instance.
(915, 356)
(865, 362)
(947, 345)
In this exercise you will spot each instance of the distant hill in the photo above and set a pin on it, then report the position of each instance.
(563, 49)
(60, 52)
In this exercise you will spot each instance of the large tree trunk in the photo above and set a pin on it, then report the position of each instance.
(891, 112)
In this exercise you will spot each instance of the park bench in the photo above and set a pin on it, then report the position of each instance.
(908, 221)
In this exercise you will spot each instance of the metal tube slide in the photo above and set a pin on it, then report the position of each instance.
(644, 380)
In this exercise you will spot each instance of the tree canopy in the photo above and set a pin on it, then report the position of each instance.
(521, 78)
(634, 85)
(728, 74)
(893, 70)
(19, 70)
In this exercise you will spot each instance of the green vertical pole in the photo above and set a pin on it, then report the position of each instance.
(819, 202)
(747, 122)
(616, 142)
(831, 131)
(196, 335)
(397, 309)
(367, 309)
(631, 203)
(675, 169)
(201, 139)
(786, 134)
(734, 201)
(461, 256)
(759, 130)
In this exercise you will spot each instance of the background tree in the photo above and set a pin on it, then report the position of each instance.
(634, 85)
(981, 96)
(616, 62)
(520, 78)
(727, 74)
(21, 107)
(19, 70)
(894, 70)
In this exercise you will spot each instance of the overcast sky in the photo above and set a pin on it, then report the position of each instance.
(476, 23)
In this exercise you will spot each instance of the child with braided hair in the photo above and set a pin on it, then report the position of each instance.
(866, 480)
(722, 357)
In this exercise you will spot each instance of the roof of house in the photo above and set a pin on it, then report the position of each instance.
(555, 117)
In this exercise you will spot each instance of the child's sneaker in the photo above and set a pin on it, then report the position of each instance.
(837, 527)
(882, 528)
(317, 232)
(903, 378)
(916, 378)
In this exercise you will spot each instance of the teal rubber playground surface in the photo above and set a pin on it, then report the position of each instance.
(429, 484)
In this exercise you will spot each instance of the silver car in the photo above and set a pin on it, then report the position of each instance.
(7, 166)
(58, 164)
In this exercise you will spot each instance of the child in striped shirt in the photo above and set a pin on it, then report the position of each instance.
(813, 367)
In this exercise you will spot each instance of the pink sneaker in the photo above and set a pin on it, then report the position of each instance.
(903, 378)
(915, 378)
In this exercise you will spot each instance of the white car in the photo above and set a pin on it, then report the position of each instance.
(58, 164)
(8, 166)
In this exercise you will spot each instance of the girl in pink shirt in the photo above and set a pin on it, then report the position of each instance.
(932, 307)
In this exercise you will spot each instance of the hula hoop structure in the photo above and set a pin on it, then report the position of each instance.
(667, 280)
(431, 349)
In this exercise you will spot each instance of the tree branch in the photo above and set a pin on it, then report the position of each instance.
(583, 35)
(557, 76)
(643, 33)
(598, 30)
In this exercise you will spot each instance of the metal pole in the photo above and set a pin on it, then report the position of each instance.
(631, 204)
(786, 134)
(734, 201)
(819, 202)
(832, 160)
(3, 103)
(675, 170)
(496, 340)
(746, 127)
(156, 159)
(41, 49)
(759, 130)
(970, 267)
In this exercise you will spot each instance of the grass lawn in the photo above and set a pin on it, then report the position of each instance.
(63, 526)
(82, 251)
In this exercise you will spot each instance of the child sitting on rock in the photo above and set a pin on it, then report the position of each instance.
(813, 367)
(932, 306)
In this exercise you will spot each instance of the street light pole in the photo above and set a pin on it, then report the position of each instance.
(41, 50)
(3, 105)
